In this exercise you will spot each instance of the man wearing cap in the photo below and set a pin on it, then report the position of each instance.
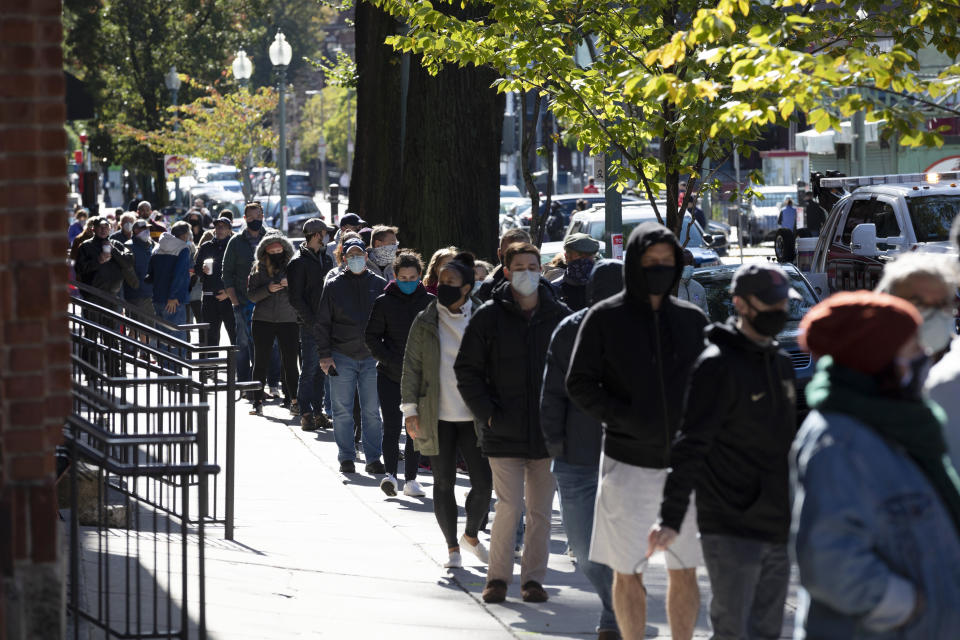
(141, 245)
(101, 261)
(579, 252)
(305, 276)
(733, 449)
(348, 222)
(216, 309)
(345, 306)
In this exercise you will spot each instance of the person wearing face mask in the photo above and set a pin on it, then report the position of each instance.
(169, 271)
(141, 247)
(732, 447)
(349, 222)
(499, 372)
(104, 263)
(385, 245)
(345, 307)
(125, 232)
(215, 309)
(580, 253)
(495, 279)
(629, 370)
(876, 530)
(690, 290)
(274, 318)
(386, 337)
(438, 421)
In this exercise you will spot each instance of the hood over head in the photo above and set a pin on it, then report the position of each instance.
(169, 244)
(269, 239)
(606, 280)
(643, 237)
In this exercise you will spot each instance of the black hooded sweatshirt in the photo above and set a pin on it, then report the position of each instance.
(630, 364)
(734, 444)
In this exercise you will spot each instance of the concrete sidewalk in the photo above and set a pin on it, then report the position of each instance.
(320, 554)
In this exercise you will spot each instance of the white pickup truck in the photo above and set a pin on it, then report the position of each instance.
(875, 219)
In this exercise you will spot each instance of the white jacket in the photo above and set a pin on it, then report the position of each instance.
(943, 387)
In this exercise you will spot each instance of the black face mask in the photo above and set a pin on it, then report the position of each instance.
(447, 294)
(278, 260)
(255, 225)
(769, 323)
(659, 279)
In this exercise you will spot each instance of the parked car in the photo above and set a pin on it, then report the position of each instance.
(716, 281)
(568, 205)
(299, 209)
(760, 224)
(298, 183)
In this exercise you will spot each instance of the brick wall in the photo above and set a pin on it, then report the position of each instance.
(34, 347)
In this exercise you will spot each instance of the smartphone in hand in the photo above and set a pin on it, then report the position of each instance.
(332, 371)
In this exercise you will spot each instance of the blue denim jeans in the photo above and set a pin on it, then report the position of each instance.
(178, 317)
(356, 376)
(577, 486)
(310, 390)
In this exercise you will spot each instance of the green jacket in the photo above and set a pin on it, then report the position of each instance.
(419, 383)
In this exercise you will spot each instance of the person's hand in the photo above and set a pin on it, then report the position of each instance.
(105, 257)
(221, 295)
(413, 426)
(283, 282)
(326, 363)
(660, 538)
(172, 305)
(274, 287)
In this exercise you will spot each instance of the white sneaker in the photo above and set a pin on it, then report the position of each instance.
(275, 392)
(478, 549)
(413, 489)
(389, 485)
(454, 562)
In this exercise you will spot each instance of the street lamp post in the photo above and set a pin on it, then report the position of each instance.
(280, 55)
(242, 70)
(172, 80)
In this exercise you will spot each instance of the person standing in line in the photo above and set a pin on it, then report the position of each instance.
(274, 318)
(574, 441)
(88, 232)
(345, 307)
(439, 258)
(690, 290)
(145, 212)
(732, 448)
(101, 262)
(386, 337)
(437, 419)
(141, 247)
(876, 500)
(306, 273)
(579, 254)
(125, 232)
(481, 270)
(385, 244)
(79, 224)
(629, 369)
(170, 274)
(485, 290)
(349, 222)
(216, 309)
(499, 372)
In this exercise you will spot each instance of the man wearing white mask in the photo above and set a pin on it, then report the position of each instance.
(499, 372)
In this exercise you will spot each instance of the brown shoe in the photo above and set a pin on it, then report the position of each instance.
(533, 591)
(494, 592)
(608, 634)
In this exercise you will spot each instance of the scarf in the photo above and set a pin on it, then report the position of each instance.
(914, 425)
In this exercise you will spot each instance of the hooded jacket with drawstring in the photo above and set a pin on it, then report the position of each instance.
(169, 270)
(631, 363)
(734, 444)
(275, 306)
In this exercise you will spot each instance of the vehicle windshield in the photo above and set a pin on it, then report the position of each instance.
(507, 191)
(933, 215)
(597, 228)
(219, 176)
(302, 206)
(720, 301)
(299, 184)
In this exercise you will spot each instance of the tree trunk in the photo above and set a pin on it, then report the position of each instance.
(529, 133)
(375, 175)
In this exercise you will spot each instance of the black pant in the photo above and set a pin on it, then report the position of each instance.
(450, 437)
(287, 334)
(392, 428)
(216, 313)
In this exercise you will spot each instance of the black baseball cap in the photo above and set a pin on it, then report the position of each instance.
(223, 220)
(353, 220)
(765, 280)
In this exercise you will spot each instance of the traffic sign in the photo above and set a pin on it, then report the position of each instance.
(174, 165)
(616, 241)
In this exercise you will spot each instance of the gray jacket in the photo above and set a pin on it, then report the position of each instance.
(275, 306)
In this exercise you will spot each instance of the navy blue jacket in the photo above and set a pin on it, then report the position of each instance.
(141, 263)
(170, 272)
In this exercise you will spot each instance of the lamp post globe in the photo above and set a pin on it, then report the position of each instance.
(280, 56)
(242, 68)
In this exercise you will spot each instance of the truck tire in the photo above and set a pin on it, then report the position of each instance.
(785, 246)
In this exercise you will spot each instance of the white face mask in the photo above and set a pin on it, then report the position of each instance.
(937, 330)
(525, 282)
(144, 235)
(127, 227)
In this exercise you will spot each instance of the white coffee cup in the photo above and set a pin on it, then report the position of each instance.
(208, 266)
(107, 248)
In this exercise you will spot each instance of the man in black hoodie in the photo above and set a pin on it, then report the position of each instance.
(629, 370)
(574, 441)
(733, 448)
(499, 371)
(216, 309)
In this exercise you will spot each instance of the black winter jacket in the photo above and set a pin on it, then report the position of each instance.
(499, 371)
(305, 276)
(572, 295)
(389, 325)
(493, 281)
(345, 307)
(733, 446)
(215, 249)
(570, 434)
(630, 364)
(107, 276)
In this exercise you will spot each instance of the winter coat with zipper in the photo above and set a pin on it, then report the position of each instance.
(494, 280)
(169, 270)
(215, 249)
(141, 252)
(571, 435)
(345, 308)
(305, 277)
(275, 306)
(631, 363)
(420, 383)
(389, 325)
(238, 260)
(500, 369)
(107, 276)
(734, 443)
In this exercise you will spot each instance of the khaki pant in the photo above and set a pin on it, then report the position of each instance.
(516, 480)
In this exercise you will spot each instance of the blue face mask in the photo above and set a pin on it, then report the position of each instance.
(357, 264)
(408, 286)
